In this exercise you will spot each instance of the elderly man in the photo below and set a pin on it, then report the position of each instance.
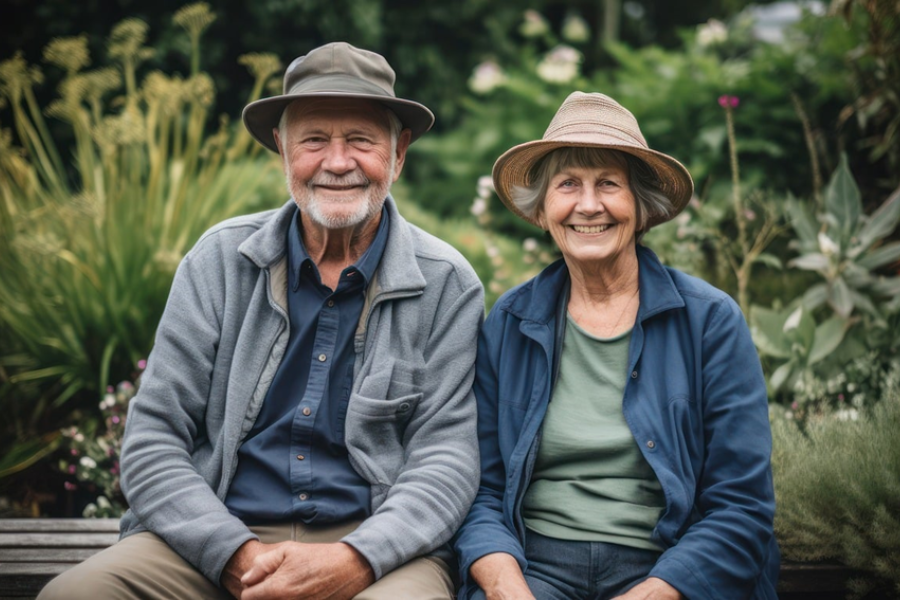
(305, 427)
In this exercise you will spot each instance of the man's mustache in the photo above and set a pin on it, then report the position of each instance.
(350, 179)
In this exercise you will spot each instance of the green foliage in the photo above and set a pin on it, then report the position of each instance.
(844, 251)
(88, 251)
(822, 331)
(793, 335)
(837, 481)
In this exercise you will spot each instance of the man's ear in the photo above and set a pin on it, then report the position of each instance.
(277, 135)
(402, 145)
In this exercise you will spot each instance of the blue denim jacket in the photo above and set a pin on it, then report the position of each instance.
(696, 404)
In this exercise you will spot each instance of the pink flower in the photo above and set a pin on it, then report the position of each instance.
(73, 452)
(71, 469)
(726, 101)
(142, 364)
(110, 389)
(116, 420)
(70, 486)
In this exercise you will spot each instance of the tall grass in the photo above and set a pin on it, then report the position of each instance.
(92, 233)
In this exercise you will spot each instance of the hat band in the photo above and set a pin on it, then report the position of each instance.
(334, 83)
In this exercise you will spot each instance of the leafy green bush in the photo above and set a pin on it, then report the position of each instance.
(837, 482)
(850, 313)
(89, 246)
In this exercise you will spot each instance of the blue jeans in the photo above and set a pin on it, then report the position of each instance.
(567, 570)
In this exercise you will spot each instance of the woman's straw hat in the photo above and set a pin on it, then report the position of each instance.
(592, 121)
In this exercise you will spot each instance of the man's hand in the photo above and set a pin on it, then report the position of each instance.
(500, 577)
(652, 588)
(241, 562)
(297, 570)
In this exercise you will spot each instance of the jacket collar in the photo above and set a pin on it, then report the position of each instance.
(537, 300)
(397, 271)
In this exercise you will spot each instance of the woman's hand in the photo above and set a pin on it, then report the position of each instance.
(500, 577)
(651, 588)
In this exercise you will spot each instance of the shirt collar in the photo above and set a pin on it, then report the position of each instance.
(365, 265)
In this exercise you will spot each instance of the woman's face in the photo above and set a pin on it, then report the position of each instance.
(589, 212)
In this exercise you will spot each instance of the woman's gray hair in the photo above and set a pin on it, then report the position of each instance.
(649, 201)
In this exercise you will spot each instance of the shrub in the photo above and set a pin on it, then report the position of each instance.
(837, 481)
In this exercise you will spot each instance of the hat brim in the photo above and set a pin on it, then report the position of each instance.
(514, 167)
(262, 116)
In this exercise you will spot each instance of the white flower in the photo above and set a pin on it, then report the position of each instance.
(88, 462)
(847, 414)
(560, 65)
(493, 251)
(485, 186)
(711, 33)
(575, 29)
(478, 207)
(486, 77)
(529, 245)
(827, 245)
(534, 24)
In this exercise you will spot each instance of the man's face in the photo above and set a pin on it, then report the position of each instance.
(339, 159)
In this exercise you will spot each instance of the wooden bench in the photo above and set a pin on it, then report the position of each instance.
(33, 551)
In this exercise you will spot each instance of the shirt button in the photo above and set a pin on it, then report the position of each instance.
(322, 358)
(330, 303)
(634, 374)
(303, 496)
(300, 457)
(306, 411)
(651, 444)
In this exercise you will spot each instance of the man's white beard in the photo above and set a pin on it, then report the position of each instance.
(368, 200)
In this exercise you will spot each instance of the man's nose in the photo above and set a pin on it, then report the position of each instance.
(338, 158)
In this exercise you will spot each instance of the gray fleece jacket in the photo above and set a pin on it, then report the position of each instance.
(410, 425)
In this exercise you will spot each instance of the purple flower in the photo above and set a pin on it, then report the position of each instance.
(726, 101)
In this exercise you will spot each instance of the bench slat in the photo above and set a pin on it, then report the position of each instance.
(37, 555)
(59, 525)
(57, 540)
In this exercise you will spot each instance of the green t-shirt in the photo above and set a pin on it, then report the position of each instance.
(590, 480)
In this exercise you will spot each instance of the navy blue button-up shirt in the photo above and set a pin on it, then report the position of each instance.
(293, 465)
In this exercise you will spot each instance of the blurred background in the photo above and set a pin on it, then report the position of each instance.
(121, 142)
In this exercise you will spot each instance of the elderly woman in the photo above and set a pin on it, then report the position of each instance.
(623, 416)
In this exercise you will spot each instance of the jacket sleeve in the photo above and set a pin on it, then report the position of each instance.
(722, 554)
(165, 426)
(485, 530)
(438, 471)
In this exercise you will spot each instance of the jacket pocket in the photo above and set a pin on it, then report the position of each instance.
(377, 416)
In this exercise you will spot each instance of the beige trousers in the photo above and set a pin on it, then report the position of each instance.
(143, 567)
